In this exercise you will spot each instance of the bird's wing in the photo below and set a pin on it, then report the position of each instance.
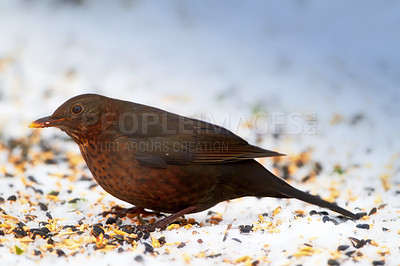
(180, 140)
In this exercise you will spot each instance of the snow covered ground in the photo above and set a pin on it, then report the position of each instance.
(321, 77)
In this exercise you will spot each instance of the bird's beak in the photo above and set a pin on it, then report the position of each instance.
(47, 121)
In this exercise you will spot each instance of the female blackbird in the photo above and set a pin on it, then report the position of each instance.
(166, 162)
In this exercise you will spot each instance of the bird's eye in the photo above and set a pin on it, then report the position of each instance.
(77, 109)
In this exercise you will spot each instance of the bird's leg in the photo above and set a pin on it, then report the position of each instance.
(167, 220)
(122, 212)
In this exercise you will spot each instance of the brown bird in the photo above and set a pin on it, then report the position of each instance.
(165, 162)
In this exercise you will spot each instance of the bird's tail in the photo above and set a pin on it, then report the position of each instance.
(291, 192)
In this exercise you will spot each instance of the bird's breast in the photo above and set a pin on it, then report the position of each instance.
(168, 190)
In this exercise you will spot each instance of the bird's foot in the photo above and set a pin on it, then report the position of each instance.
(165, 221)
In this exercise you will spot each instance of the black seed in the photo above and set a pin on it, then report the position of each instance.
(214, 255)
(356, 118)
(181, 245)
(350, 253)
(72, 227)
(384, 229)
(333, 262)
(48, 215)
(50, 161)
(363, 226)
(383, 205)
(111, 220)
(75, 200)
(317, 168)
(148, 248)
(30, 217)
(37, 252)
(60, 252)
(225, 237)
(50, 241)
(54, 193)
(313, 212)
(138, 258)
(85, 178)
(38, 190)
(12, 198)
(21, 224)
(162, 240)
(334, 221)
(325, 219)
(93, 185)
(119, 238)
(372, 211)
(120, 250)
(356, 242)
(237, 240)
(323, 213)
(304, 179)
(285, 172)
(37, 231)
(19, 232)
(342, 247)
(31, 178)
(378, 262)
(139, 235)
(42, 206)
(245, 228)
(178, 222)
(146, 235)
(360, 214)
(97, 230)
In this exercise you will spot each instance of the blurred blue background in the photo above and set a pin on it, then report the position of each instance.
(224, 60)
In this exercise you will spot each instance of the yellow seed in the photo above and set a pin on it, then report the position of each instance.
(243, 259)
(188, 226)
(9, 218)
(155, 243)
(378, 199)
(201, 254)
(374, 243)
(277, 210)
(384, 250)
(186, 257)
(173, 226)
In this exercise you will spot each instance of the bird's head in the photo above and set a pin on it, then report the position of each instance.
(79, 116)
